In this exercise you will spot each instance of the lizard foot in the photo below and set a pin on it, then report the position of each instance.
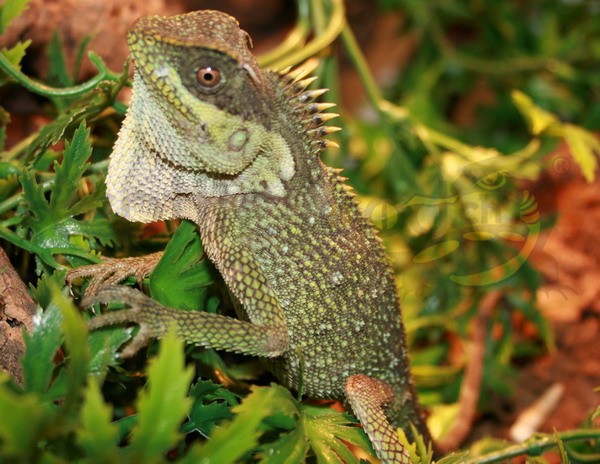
(367, 397)
(149, 315)
(112, 271)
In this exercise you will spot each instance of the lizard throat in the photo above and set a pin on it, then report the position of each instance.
(154, 173)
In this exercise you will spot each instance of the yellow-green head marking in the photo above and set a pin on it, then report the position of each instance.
(201, 120)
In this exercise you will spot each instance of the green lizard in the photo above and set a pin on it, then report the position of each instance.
(211, 137)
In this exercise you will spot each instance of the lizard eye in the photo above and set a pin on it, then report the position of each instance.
(208, 77)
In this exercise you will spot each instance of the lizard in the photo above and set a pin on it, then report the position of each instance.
(211, 137)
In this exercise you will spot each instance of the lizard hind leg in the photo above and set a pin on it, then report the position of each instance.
(367, 397)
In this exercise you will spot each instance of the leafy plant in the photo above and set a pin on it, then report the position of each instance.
(419, 183)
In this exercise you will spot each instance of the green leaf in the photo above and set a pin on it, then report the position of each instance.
(33, 193)
(85, 108)
(585, 147)
(163, 405)
(212, 405)
(290, 447)
(454, 458)
(9, 10)
(75, 161)
(42, 343)
(98, 229)
(104, 347)
(55, 131)
(79, 55)
(181, 277)
(53, 222)
(423, 450)
(538, 119)
(60, 319)
(24, 418)
(58, 73)
(76, 347)
(2, 139)
(325, 430)
(97, 435)
(232, 441)
(16, 53)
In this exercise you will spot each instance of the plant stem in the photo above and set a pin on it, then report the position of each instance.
(319, 43)
(536, 445)
(47, 91)
(294, 40)
(29, 246)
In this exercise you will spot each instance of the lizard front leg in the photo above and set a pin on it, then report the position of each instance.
(111, 271)
(367, 397)
(196, 327)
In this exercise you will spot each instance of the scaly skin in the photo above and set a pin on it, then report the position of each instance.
(235, 149)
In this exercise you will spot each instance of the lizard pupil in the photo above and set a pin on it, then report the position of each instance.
(208, 76)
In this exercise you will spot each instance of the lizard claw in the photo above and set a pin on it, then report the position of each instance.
(112, 271)
(143, 311)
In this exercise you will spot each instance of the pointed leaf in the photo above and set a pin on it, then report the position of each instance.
(585, 147)
(41, 347)
(16, 53)
(290, 447)
(76, 347)
(58, 73)
(97, 435)
(97, 229)
(163, 404)
(424, 450)
(325, 430)
(33, 193)
(212, 405)
(415, 458)
(94, 200)
(23, 419)
(9, 10)
(75, 161)
(55, 131)
(104, 347)
(454, 458)
(232, 441)
(53, 224)
(538, 119)
(180, 278)
(79, 55)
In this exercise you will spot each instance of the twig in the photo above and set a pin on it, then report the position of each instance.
(469, 392)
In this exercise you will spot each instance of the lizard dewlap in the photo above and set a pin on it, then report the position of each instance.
(211, 137)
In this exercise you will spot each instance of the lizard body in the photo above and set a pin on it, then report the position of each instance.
(211, 137)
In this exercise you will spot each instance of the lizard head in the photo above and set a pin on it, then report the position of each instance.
(202, 120)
